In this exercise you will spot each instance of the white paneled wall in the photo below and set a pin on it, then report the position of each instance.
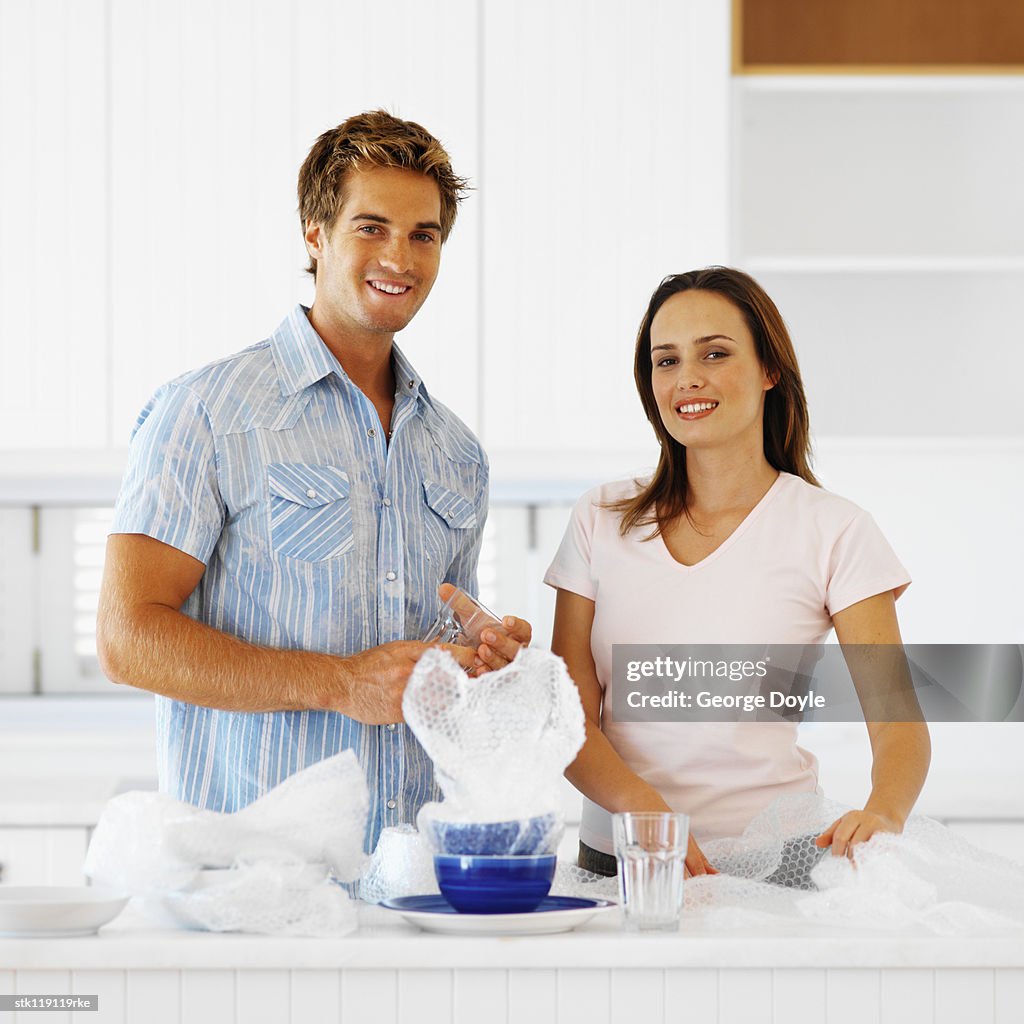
(213, 108)
(536, 996)
(604, 148)
(54, 381)
(147, 194)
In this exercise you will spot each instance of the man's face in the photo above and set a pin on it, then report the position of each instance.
(377, 263)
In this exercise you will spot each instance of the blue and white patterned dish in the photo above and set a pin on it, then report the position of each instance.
(554, 914)
(524, 837)
(494, 885)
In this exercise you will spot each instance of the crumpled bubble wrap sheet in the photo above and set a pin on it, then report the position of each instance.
(500, 742)
(279, 849)
(402, 865)
(925, 876)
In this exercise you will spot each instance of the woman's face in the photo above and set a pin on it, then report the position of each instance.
(708, 381)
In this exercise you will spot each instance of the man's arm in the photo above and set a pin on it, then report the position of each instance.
(144, 639)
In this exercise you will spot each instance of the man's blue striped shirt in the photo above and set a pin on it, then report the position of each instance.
(271, 467)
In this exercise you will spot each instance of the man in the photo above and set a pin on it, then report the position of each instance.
(289, 512)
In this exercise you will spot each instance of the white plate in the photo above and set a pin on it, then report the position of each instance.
(52, 911)
(537, 922)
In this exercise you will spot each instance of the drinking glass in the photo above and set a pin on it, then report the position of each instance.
(461, 620)
(650, 847)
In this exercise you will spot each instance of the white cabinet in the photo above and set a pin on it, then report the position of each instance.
(884, 215)
(42, 856)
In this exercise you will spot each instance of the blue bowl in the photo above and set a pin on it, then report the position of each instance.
(494, 885)
(532, 837)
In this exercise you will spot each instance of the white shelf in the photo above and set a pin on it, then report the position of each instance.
(881, 265)
(880, 83)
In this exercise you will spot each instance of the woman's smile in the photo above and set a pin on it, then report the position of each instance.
(688, 409)
(705, 366)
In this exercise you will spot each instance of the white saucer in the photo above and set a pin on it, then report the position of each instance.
(556, 914)
(56, 912)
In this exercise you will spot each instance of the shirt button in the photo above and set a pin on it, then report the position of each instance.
(411, 383)
(392, 727)
(450, 514)
(311, 493)
(387, 503)
(371, 432)
(392, 804)
(391, 576)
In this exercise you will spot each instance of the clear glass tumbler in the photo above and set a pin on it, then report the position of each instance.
(650, 847)
(461, 620)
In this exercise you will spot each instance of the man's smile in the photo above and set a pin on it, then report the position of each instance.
(389, 287)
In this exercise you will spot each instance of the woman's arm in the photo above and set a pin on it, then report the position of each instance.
(901, 750)
(598, 771)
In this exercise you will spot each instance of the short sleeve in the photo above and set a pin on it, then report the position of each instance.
(571, 567)
(170, 490)
(861, 565)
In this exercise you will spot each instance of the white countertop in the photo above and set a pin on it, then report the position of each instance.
(385, 941)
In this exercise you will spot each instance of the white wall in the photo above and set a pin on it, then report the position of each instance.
(147, 192)
(147, 223)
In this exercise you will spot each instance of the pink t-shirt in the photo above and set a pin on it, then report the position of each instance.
(800, 556)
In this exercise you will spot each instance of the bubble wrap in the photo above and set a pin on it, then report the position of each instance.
(151, 845)
(500, 742)
(572, 880)
(269, 898)
(402, 865)
(926, 876)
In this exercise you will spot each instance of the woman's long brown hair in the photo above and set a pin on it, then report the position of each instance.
(787, 444)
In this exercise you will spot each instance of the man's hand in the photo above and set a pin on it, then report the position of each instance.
(376, 679)
(852, 828)
(499, 643)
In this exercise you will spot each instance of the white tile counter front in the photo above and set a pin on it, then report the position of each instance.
(388, 972)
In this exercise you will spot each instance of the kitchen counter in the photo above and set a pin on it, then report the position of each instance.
(389, 971)
(385, 940)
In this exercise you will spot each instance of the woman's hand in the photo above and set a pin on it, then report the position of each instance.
(855, 827)
(696, 862)
(500, 646)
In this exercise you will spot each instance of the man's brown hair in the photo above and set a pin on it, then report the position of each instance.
(373, 139)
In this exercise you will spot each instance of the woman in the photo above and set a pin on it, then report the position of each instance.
(732, 541)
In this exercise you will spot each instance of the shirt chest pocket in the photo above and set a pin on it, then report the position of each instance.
(310, 512)
(451, 525)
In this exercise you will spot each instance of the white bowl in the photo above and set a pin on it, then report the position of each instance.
(55, 911)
